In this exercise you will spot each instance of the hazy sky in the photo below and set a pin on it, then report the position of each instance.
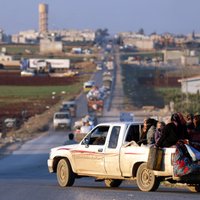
(176, 16)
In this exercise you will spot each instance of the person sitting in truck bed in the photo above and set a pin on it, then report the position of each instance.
(148, 133)
(172, 132)
(194, 134)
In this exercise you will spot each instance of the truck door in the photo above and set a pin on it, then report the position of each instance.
(112, 159)
(89, 158)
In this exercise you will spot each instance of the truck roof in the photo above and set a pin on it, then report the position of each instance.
(121, 123)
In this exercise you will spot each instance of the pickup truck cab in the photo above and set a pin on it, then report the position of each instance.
(110, 153)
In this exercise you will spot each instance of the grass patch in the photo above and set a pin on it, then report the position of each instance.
(35, 91)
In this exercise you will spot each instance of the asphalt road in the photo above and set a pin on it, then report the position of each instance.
(24, 174)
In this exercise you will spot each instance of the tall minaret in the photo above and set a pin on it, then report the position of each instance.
(43, 18)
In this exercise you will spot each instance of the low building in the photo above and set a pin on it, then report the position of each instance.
(26, 37)
(141, 42)
(190, 85)
(172, 56)
(8, 60)
(189, 60)
(145, 44)
(4, 57)
(48, 46)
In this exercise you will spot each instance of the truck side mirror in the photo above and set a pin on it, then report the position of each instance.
(86, 142)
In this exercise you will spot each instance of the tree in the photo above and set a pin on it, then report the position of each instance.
(141, 31)
(101, 34)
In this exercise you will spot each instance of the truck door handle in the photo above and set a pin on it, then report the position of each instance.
(100, 150)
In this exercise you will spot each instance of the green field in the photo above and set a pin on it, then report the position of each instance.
(35, 91)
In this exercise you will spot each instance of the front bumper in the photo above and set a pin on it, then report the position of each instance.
(50, 165)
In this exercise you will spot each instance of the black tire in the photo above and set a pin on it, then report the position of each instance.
(194, 188)
(112, 182)
(65, 175)
(146, 180)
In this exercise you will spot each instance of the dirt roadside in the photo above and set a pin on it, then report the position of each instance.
(34, 127)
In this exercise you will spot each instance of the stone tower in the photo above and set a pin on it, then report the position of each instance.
(43, 18)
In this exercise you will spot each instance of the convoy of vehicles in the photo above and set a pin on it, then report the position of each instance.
(95, 106)
(110, 153)
(95, 101)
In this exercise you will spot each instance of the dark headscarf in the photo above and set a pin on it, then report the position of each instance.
(175, 118)
(181, 125)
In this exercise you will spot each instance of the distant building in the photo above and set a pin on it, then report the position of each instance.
(8, 60)
(180, 40)
(76, 35)
(145, 44)
(33, 37)
(189, 60)
(4, 57)
(172, 56)
(49, 46)
(190, 85)
(139, 41)
(26, 37)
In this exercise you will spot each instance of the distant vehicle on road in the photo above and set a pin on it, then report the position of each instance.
(87, 86)
(62, 120)
(69, 106)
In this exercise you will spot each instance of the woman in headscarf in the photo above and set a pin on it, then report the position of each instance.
(183, 133)
(172, 132)
(195, 133)
(148, 131)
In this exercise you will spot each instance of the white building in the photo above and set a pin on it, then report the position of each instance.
(75, 35)
(172, 56)
(4, 57)
(33, 37)
(189, 60)
(139, 41)
(190, 85)
(23, 37)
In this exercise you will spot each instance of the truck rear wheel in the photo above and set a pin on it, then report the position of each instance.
(194, 188)
(146, 180)
(113, 182)
(65, 175)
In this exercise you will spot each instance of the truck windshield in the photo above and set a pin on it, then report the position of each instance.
(61, 116)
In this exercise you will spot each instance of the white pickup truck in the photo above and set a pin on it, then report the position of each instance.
(110, 153)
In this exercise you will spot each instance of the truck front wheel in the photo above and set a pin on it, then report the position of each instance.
(146, 180)
(113, 182)
(65, 175)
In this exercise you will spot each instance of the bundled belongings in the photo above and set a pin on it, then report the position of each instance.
(155, 158)
(183, 162)
(194, 153)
